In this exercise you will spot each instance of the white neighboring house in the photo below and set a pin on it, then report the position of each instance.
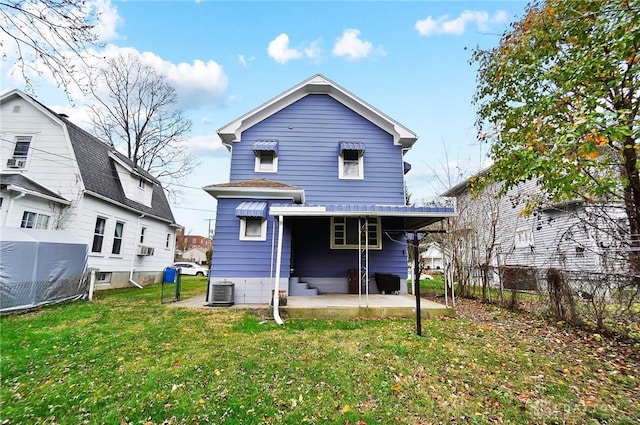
(54, 175)
(572, 236)
(433, 257)
(196, 254)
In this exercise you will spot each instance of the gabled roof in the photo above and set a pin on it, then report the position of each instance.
(318, 84)
(462, 187)
(256, 188)
(95, 160)
(21, 183)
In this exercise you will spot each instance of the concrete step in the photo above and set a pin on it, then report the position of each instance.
(301, 289)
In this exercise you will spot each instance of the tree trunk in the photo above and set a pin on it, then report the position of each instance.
(632, 205)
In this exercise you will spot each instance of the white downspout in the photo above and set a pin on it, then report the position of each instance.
(133, 255)
(276, 291)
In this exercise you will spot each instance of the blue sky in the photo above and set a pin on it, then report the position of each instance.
(408, 59)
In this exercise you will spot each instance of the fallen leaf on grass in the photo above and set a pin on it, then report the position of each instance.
(345, 408)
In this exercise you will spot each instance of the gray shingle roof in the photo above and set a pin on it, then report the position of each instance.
(19, 180)
(99, 173)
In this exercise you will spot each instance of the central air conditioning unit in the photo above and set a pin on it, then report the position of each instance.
(16, 163)
(222, 294)
(145, 251)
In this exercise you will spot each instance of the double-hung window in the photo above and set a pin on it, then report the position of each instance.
(117, 238)
(354, 233)
(98, 234)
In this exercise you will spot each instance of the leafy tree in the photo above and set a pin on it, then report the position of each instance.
(46, 35)
(558, 101)
(135, 109)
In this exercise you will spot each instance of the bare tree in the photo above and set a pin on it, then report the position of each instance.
(47, 35)
(136, 110)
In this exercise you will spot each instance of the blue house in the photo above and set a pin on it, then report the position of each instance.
(316, 198)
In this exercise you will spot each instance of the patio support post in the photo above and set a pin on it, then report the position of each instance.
(416, 283)
(276, 292)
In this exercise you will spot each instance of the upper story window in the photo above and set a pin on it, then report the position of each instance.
(31, 220)
(141, 184)
(143, 230)
(351, 161)
(523, 237)
(98, 234)
(20, 152)
(354, 233)
(266, 153)
(167, 243)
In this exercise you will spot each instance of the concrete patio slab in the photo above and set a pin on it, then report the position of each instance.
(340, 306)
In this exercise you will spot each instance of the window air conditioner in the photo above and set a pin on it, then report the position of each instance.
(145, 250)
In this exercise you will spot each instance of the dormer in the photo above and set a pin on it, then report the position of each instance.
(136, 185)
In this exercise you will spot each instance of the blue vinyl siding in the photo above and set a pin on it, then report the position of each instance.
(312, 256)
(235, 258)
(308, 133)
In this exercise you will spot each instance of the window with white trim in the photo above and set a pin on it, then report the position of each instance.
(351, 164)
(345, 232)
(21, 148)
(266, 162)
(98, 234)
(103, 277)
(143, 230)
(141, 184)
(31, 220)
(117, 237)
(253, 229)
(523, 237)
(167, 243)
(20, 152)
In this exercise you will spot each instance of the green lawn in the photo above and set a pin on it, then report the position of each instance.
(127, 359)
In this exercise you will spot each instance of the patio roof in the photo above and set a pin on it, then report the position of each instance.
(415, 217)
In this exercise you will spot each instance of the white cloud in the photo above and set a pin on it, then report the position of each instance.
(279, 49)
(207, 145)
(349, 44)
(108, 20)
(457, 26)
(244, 61)
(197, 84)
(313, 51)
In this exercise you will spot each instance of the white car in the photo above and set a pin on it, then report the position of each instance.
(192, 269)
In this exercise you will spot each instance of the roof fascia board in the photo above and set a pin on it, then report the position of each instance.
(111, 201)
(297, 195)
(59, 200)
(317, 212)
(317, 84)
